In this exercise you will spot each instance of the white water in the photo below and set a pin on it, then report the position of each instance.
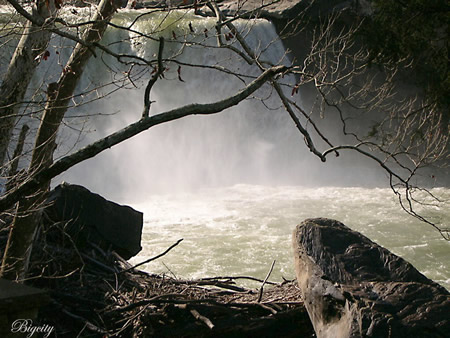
(240, 230)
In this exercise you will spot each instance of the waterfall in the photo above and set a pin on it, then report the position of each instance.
(254, 142)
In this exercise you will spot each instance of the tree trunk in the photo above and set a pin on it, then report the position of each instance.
(26, 221)
(13, 177)
(26, 58)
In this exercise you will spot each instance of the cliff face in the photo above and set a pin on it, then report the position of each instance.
(290, 9)
(268, 9)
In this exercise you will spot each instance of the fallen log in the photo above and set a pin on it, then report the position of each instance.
(353, 287)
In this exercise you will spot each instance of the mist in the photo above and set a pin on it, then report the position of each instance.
(254, 142)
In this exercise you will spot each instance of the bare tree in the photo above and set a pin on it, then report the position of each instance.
(409, 130)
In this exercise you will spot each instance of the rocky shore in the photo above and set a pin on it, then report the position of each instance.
(94, 292)
(347, 285)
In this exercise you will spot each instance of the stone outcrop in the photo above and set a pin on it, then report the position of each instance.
(289, 9)
(88, 217)
(268, 9)
(352, 287)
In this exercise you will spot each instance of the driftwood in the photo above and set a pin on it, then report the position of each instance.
(96, 293)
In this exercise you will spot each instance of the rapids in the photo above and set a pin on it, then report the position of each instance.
(239, 230)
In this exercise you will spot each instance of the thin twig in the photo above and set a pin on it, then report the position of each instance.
(205, 320)
(87, 323)
(219, 278)
(100, 264)
(264, 282)
(153, 258)
(268, 308)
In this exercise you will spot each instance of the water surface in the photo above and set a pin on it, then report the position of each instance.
(240, 230)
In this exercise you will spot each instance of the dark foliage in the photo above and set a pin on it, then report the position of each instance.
(414, 34)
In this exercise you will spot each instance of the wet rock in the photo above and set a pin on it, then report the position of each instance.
(89, 218)
(353, 287)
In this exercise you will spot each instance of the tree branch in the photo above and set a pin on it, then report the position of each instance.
(297, 122)
(49, 26)
(153, 258)
(265, 281)
(36, 20)
(159, 71)
(99, 146)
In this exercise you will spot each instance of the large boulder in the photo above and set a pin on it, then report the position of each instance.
(89, 218)
(353, 287)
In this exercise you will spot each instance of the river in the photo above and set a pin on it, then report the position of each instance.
(239, 230)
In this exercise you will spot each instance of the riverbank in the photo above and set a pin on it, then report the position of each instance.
(100, 295)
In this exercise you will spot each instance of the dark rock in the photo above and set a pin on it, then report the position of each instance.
(290, 9)
(352, 287)
(267, 9)
(88, 217)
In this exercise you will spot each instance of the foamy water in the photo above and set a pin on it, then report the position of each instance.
(240, 230)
